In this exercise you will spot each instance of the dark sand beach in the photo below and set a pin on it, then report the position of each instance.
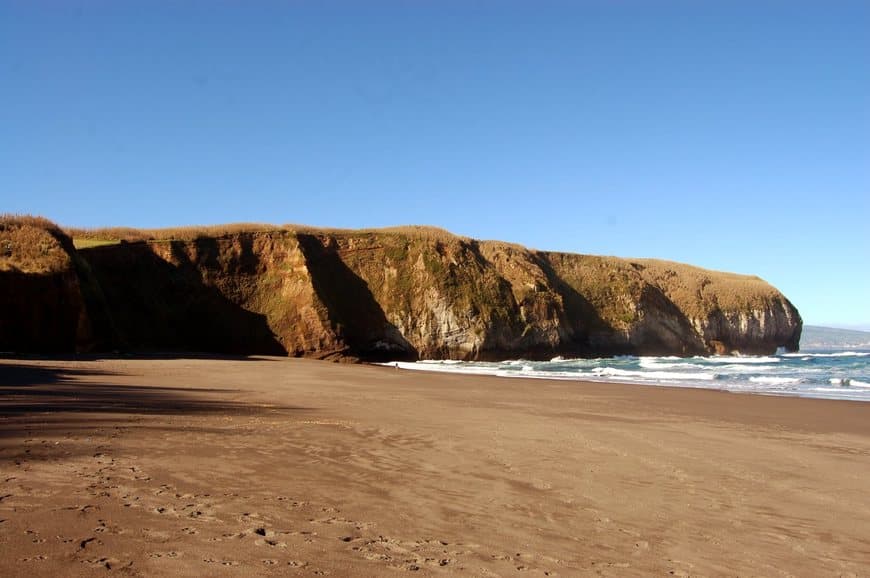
(275, 467)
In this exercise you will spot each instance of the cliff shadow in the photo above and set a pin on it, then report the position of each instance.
(156, 305)
(41, 389)
(589, 334)
(39, 311)
(355, 315)
(103, 335)
(663, 328)
(505, 332)
(41, 404)
(672, 330)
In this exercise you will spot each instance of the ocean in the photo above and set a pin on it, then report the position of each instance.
(827, 374)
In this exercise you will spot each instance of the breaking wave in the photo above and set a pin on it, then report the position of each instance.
(826, 374)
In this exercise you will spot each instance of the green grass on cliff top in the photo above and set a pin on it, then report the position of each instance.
(92, 237)
(86, 243)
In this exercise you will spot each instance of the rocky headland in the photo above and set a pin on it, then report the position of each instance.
(404, 293)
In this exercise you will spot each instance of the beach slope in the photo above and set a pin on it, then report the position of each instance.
(276, 466)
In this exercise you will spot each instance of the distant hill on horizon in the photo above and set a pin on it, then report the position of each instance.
(816, 337)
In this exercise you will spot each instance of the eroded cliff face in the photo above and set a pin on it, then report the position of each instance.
(243, 294)
(419, 293)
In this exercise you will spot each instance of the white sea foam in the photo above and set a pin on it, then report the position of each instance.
(839, 392)
(666, 363)
(740, 360)
(848, 382)
(657, 375)
(833, 354)
(439, 366)
(774, 380)
(827, 374)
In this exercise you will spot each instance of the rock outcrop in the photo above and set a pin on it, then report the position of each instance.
(410, 293)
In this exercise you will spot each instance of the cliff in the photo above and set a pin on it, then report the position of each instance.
(41, 304)
(406, 293)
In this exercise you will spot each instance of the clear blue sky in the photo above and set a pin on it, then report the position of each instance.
(731, 135)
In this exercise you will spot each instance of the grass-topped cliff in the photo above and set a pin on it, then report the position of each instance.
(41, 303)
(406, 292)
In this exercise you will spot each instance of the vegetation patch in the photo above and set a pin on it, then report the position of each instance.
(32, 245)
(80, 243)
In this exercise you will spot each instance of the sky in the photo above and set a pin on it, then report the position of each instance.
(733, 135)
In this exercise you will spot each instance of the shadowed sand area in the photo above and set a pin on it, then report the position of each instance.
(274, 467)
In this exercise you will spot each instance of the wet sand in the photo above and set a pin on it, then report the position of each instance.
(276, 467)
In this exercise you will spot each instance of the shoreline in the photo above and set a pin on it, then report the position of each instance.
(778, 376)
(852, 420)
(278, 466)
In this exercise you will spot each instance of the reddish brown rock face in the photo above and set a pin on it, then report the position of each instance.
(396, 294)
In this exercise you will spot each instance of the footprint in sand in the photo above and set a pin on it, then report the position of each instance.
(292, 503)
(156, 535)
(230, 536)
(271, 543)
(85, 509)
(84, 543)
(107, 563)
(409, 556)
(170, 554)
(339, 520)
(248, 517)
(131, 501)
(104, 527)
(640, 547)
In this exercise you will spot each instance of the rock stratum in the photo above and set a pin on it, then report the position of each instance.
(406, 293)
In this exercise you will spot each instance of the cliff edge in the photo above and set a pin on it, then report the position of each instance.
(404, 293)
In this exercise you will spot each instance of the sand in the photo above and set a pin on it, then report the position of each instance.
(282, 467)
